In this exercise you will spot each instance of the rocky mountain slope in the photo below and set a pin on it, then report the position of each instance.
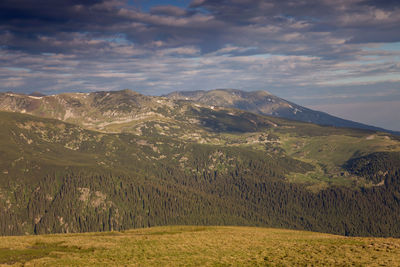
(264, 103)
(128, 111)
(119, 160)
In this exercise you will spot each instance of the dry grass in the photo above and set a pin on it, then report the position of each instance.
(199, 246)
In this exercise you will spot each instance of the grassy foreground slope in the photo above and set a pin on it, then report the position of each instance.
(199, 246)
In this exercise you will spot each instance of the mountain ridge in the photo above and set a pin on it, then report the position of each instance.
(265, 103)
(98, 110)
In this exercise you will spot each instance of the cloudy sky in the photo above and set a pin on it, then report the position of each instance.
(339, 56)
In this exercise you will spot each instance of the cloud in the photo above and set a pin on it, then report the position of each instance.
(282, 46)
(169, 11)
(325, 28)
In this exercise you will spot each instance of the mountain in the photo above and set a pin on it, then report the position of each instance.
(264, 103)
(117, 160)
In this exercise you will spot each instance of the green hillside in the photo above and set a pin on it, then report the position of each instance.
(199, 246)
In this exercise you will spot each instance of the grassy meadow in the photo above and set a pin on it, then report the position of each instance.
(199, 246)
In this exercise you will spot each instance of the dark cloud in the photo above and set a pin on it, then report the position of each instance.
(19, 13)
(347, 19)
(295, 27)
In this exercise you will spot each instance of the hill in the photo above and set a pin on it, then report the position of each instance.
(123, 160)
(199, 246)
(264, 103)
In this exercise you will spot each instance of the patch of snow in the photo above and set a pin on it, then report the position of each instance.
(370, 137)
(10, 94)
(35, 97)
(296, 110)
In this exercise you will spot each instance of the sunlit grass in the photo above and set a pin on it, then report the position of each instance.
(199, 246)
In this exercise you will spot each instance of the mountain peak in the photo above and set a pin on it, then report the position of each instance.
(264, 103)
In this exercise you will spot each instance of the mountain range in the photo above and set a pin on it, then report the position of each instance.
(78, 162)
(264, 103)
